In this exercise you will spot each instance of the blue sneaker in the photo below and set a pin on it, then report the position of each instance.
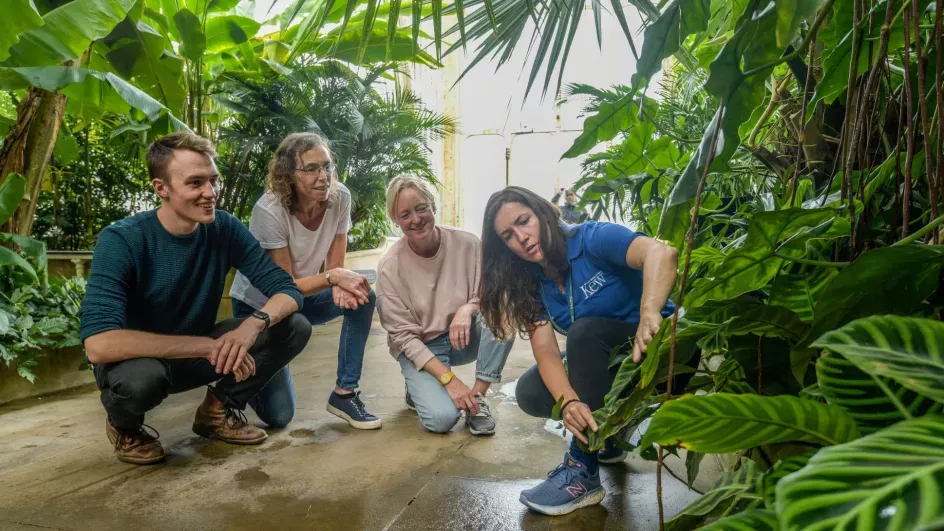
(569, 487)
(353, 411)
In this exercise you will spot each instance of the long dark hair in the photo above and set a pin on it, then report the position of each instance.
(508, 289)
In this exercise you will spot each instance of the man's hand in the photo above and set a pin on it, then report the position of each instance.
(353, 283)
(461, 327)
(231, 348)
(649, 324)
(247, 369)
(577, 417)
(462, 396)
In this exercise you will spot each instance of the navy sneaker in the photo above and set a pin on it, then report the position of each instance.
(353, 411)
(568, 488)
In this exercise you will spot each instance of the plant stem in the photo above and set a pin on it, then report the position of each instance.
(919, 234)
(802, 128)
(823, 12)
(909, 113)
(806, 261)
(923, 107)
(692, 229)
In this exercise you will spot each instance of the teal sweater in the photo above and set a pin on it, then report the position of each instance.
(145, 278)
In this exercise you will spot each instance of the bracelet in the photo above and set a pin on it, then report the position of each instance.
(567, 403)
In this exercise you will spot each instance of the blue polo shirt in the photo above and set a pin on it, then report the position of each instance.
(603, 285)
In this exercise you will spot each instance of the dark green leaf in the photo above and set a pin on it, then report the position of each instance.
(781, 469)
(193, 41)
(722, 423)
(10, 258)
(666, 35)
(717, 499)
(19, 17)
(903, 349)
(790, 14)
(750, 520)
(891, 480)
(12, 191)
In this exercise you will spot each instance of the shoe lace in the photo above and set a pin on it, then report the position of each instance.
(235, 418)
(484, 409)
(568, 472)
(133, 441)
(358, 405)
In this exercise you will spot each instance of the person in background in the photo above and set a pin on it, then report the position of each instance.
(427, 298)
(600, 284)
(569, 212)
(302, 221)
(148, 317)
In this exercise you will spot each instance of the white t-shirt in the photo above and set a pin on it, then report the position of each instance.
(275, 227)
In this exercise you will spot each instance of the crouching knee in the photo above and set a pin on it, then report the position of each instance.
(441, 421)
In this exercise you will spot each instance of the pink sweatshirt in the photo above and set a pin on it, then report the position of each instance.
(417, 297)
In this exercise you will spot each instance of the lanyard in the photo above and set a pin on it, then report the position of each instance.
(569, 287)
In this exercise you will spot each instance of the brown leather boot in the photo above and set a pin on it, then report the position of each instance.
(139, 449)
(216, 421)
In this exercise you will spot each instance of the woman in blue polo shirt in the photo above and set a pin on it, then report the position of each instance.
(600, 284)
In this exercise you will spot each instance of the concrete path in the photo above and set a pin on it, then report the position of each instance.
(57, 470)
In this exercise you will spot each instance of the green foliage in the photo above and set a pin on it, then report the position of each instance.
(722, 495)
(721, 423)
(890, 479)
(36, 315)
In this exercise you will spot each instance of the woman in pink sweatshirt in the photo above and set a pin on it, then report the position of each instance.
(427, 298)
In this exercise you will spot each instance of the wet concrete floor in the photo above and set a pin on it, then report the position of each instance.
(57, 470)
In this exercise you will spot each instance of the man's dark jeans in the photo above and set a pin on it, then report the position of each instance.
(131, 388)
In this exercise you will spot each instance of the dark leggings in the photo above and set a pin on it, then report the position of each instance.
(589, 343)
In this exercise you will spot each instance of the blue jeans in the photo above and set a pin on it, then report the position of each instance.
(275, 403)
(437, 412)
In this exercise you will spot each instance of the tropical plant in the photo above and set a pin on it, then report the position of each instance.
(376, 133)
(37, 314)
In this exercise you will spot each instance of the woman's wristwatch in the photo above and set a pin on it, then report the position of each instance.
(328, 277)
(447, 377)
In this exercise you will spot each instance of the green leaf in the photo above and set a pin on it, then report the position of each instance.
(25, 372)
(666, 35)
(102, 91)
(755, 263)
(905, 350)
(10, 258)
(790, 13)
(67, 149)
(717, 499)
(229, 31)
(780, 470)
(890, 480)
(844, 385)
(799, 292)
(68, 31)
(192, 40)
(19, 17)
(881, 281)
(753, 45)
(12, 191)
(723, 423)
(750, 520)
(692, 464)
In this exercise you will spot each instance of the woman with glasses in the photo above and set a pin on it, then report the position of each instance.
(302, 221)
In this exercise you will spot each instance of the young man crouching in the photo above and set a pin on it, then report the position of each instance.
(148, 318)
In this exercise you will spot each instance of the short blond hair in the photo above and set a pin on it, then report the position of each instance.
(162, 150)
(401, 182)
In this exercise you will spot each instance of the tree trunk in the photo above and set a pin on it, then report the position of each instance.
(28, 147)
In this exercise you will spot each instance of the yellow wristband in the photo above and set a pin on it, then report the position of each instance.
(446, 377)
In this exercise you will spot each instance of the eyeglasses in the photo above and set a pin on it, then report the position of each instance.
(315, 169)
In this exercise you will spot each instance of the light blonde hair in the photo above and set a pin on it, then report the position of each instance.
(401, 182)
(161, 151)
(280, 179)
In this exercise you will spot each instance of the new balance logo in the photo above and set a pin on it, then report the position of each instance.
(577, 490)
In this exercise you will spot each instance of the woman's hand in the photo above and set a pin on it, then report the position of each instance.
(649, 324)
(577, 417)
(354, 284)
(462, 396)
(461, 327)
